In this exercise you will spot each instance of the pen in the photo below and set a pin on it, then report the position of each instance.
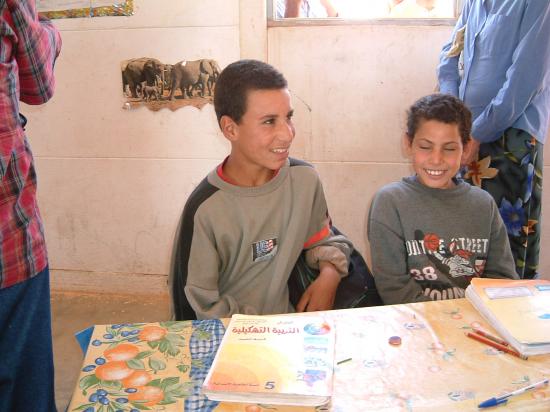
(495, 345)
(504, 398)
(491, 337)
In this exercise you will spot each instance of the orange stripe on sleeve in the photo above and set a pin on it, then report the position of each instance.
(320, 235)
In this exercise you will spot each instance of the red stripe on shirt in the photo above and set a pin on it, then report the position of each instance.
(320, 235)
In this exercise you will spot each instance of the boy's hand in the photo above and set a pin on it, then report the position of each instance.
(321, 293)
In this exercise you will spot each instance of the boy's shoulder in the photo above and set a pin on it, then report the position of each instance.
(213, 183)
(390, 197)
(305, 178)
(392, 189)
(298, 162)
(478, 194)
(302, 168)
(199, 195)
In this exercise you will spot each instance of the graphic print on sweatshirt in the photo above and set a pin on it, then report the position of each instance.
(462, 256)
(264, 249)
(448, 265)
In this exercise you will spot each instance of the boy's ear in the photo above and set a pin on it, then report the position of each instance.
(229, 128)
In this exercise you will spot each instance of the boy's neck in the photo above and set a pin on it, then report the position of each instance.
(245, 175)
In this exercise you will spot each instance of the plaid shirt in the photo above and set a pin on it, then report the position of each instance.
(28, 49)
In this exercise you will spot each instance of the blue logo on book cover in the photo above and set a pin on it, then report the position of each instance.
(317, 328)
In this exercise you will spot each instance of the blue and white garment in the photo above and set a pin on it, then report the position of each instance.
(203, 345)
(506, 81)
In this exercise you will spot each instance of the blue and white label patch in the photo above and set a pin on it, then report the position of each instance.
(264, 249)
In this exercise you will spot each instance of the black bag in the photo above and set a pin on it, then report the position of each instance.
(354, 291)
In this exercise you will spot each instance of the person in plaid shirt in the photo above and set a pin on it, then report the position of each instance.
(29, 46)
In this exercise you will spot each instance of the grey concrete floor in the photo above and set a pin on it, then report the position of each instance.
(73, 312)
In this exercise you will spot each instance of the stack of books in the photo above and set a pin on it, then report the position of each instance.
(279, 360)
(519, 310)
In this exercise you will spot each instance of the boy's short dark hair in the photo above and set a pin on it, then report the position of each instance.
(237, 79)
(444, 108)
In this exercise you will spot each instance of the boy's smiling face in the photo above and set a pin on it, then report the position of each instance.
(436, 152)
(261, 140)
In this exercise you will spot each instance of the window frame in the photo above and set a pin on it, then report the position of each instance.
(272, 21)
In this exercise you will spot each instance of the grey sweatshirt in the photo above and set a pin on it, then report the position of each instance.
(236, 246)
(426, 244)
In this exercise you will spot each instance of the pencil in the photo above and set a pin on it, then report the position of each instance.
(491, 337)
(495, 345)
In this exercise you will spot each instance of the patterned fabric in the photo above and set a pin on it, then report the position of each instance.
(510, 169)
(28, 49)
(203, 345)
(370, 375)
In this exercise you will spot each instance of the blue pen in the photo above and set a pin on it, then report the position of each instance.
(504, 398)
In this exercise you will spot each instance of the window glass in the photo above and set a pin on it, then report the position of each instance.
(366, 9)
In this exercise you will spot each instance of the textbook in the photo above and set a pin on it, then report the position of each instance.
(278, 360)
(519, 310)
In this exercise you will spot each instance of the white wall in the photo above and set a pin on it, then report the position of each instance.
(112, 183)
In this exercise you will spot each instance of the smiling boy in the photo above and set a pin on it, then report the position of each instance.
(245, 225)
(431, 233)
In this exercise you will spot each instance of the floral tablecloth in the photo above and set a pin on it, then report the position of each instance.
(160, 366)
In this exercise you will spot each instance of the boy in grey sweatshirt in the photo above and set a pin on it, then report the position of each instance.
(245, 225)
(431, 233)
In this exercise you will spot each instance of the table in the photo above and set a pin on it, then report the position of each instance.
(160, 366)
